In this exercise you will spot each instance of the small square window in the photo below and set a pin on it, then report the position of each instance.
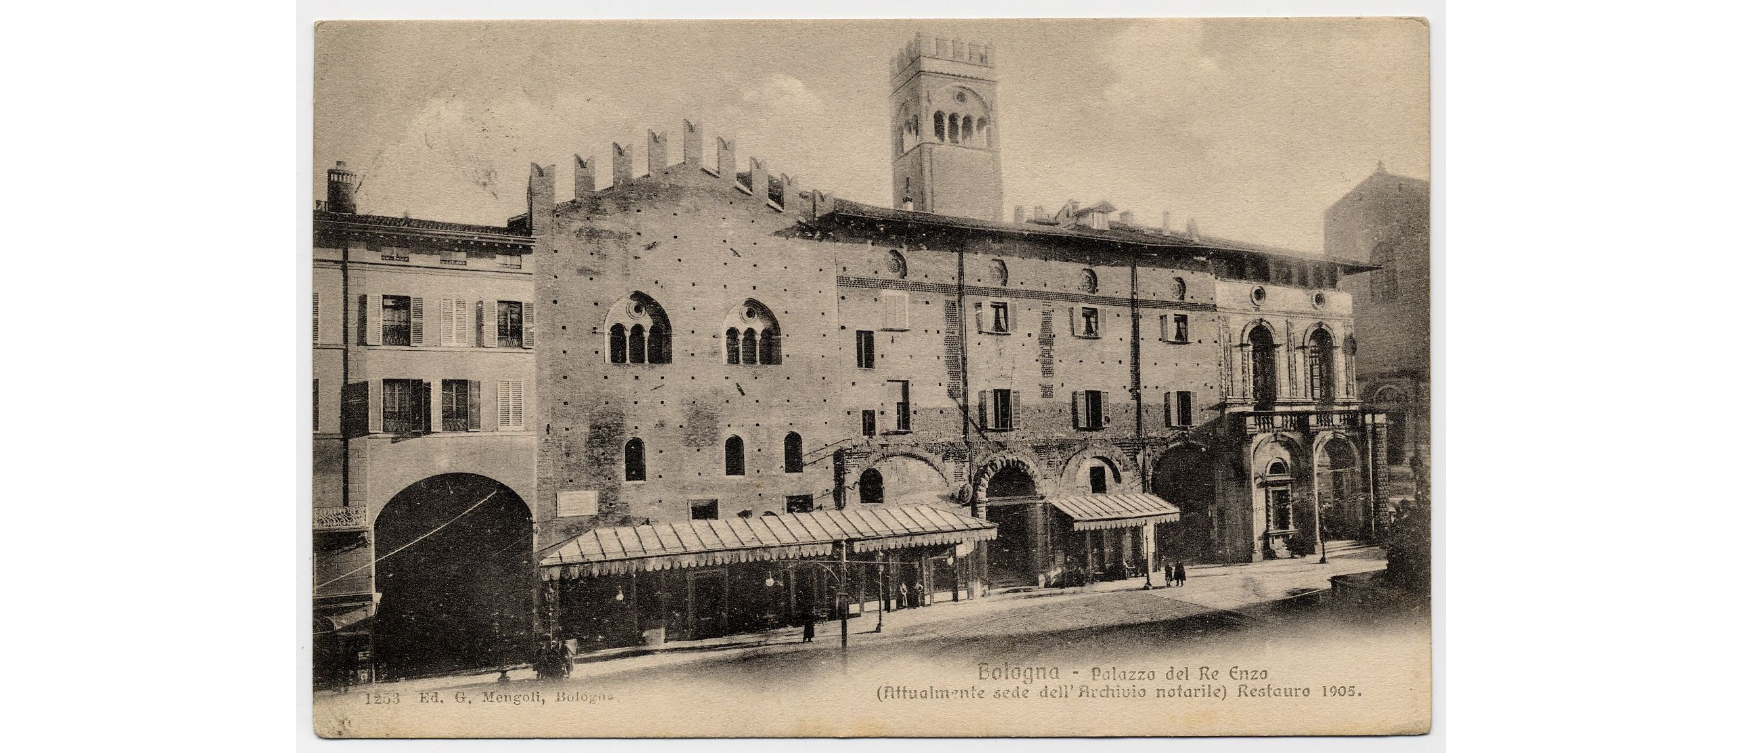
(704, 509)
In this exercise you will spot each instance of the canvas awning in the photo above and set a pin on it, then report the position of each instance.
(1096, 512)
(701, 543)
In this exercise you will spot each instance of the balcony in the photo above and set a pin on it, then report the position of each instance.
(352, 518)
(1305, 420)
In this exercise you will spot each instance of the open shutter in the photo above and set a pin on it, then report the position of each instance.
(1167, 409)
(1015, 409)
(445, 311)
(1078, 408)
(354, 409)
(375, 406)
(1075, 319)
(416, 321)
(486, 324)
(369, 319)
(463, 331)
(424, 409)
(527, 325)
(983, 415)
(979, 320)
(317, 318)
(1105, 409)
(474, 397)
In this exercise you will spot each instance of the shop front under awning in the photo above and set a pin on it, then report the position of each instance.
(704, 543)
(1098, 512)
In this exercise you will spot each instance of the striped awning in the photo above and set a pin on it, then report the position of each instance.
(1096, 512)
(702, 543)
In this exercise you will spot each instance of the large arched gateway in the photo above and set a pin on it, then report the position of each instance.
(1013, 504)
(456, 577)
(1185, 477)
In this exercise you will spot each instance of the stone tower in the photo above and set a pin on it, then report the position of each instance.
(944, 128)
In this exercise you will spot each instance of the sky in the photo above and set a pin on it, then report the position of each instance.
(1253, 127)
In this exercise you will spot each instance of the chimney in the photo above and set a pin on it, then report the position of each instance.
(1166, 223)
(691, 144)
(1021, 214)
(341, 190)
(585, 182)
(1191, 228)
(622, 165)
(1039, 212)
(1127, 217)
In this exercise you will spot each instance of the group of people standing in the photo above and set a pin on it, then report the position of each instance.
(552, 660)
(1173, 572)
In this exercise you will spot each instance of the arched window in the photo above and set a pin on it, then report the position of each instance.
(658, 345)
(640, 333)
(794, 453)
(1348, 366)
(1321, 366)
(937, 124)
(870, 487)
(758, 342)
(983, 136)
(954, 128)
(637, 344)
(1278, 468)
(1263, 368)
(967, 130)
(634, 460)
(619, 344)
(734, 456)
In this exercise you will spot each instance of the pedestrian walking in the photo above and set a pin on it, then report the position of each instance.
(1179, 573)
(809, 625)
(1166, 573)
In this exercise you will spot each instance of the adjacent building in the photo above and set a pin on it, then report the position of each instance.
(1383, 222)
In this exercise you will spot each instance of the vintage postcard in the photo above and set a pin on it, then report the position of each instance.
(906, 378)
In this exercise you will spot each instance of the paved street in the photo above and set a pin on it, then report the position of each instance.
(1217, 603)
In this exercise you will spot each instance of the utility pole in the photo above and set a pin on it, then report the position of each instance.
(840, 600)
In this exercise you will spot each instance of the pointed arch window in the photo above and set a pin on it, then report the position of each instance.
(637, 344)
(749, 347)
(954, 128)
(734, 456)
(937, 125)
(619, 344)
(794, 453)
(731, 346)
(758, 342)
(639, 332)
(634, 460)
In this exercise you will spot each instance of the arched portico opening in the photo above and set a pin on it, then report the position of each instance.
(1341, 496)
(456, 577)
(1012, 502)
(1185, 477)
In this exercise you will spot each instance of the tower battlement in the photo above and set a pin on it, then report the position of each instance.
(970, 51)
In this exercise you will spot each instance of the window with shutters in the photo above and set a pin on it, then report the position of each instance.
(395, 320)
(1182, 409)
(867, 420)
(1087, 321)
(510, 405)
(734, 456)
(1000, 317)
(634, 460)
(867, 349)
(704, 509)
(894, 310)
(454, 315)
(794, 453)
(1002, 410)
(510, 325)
(1090, 410)
(1181, 331)
(404, 406)
(460, 405)
(900, 405)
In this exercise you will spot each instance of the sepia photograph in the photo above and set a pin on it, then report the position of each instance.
(874, 378)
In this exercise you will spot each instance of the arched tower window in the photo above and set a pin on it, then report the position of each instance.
(1263, 368)
(937, 125)
(870, 487)
(619, 344)
(1321, 365)
(954, 128)
(983, 136)
(794, 453)
(734, 456)
(967, 130)
(639, 331)
(634, 460)
(637, 344)
(758, 340)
